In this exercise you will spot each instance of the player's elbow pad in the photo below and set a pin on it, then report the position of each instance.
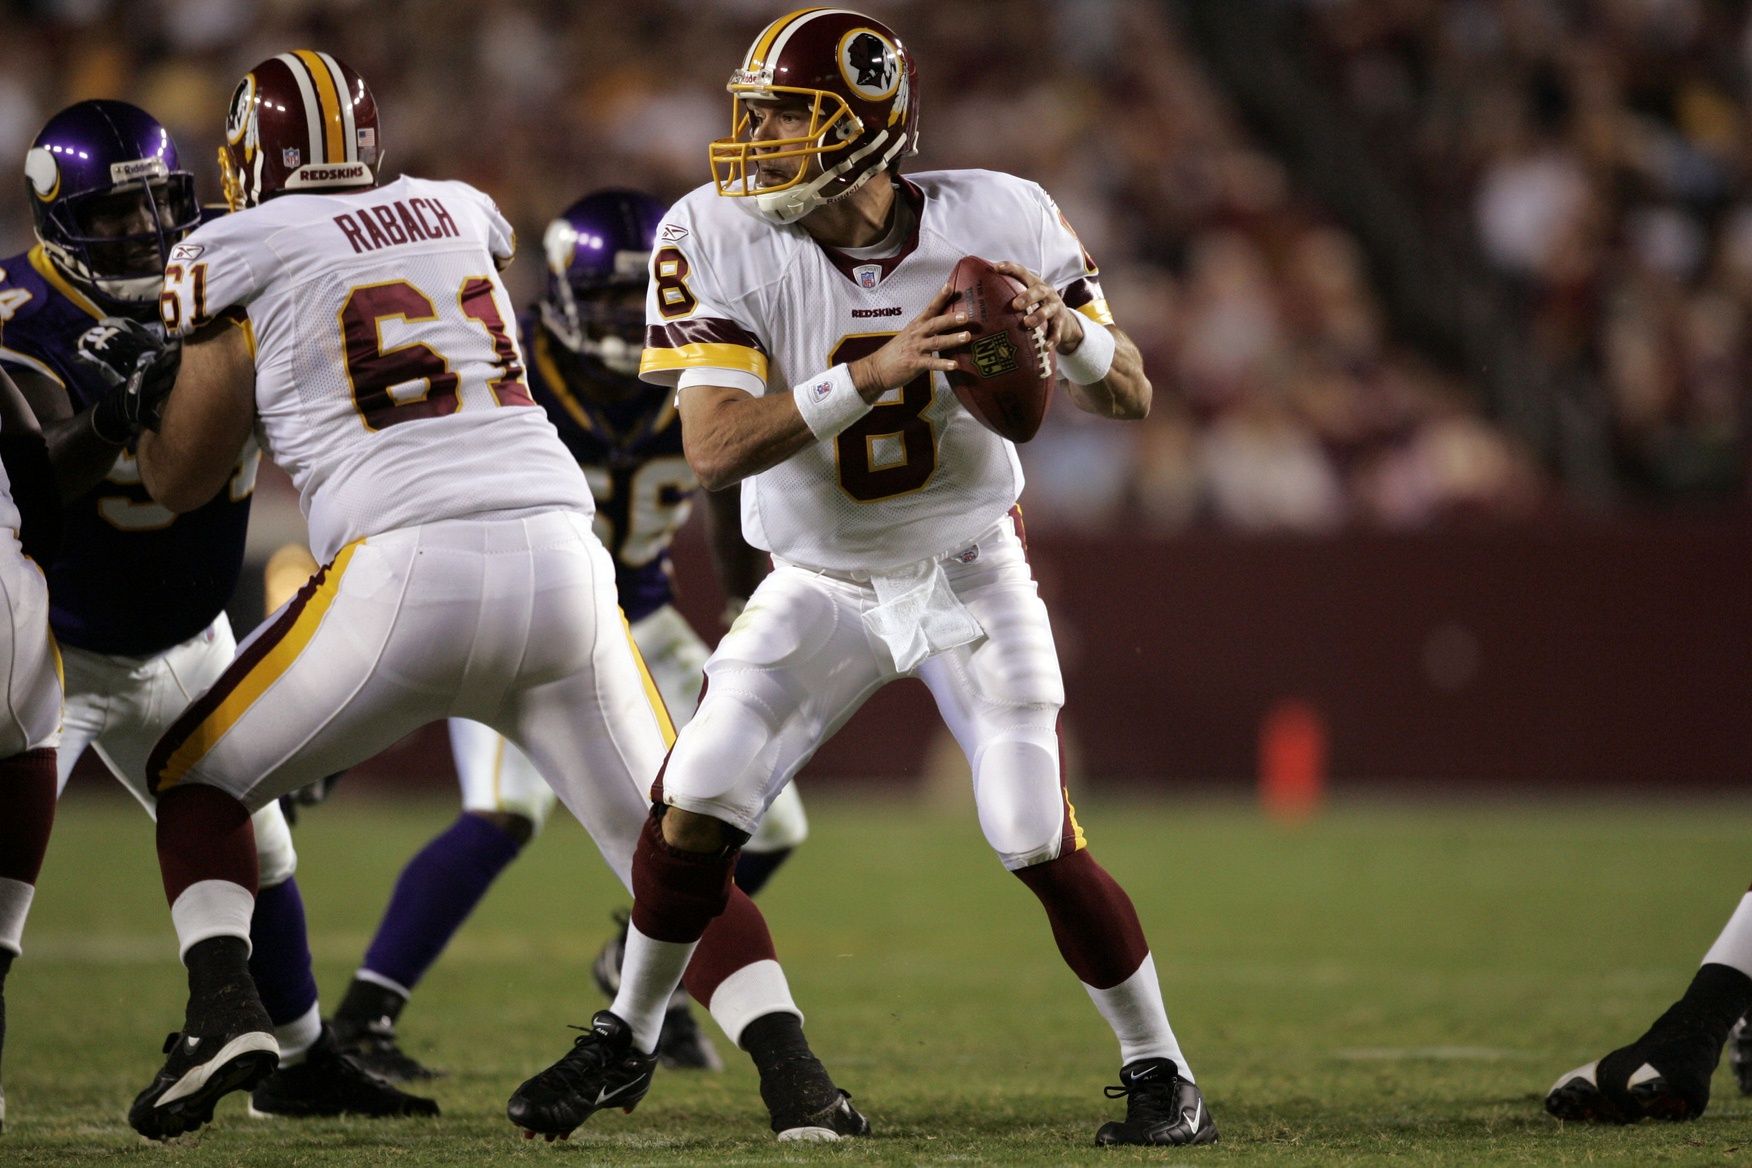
(26, 458)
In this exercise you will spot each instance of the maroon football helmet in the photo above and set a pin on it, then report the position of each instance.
(301, 121)
(863, 90)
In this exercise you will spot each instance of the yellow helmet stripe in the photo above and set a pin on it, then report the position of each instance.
(312, 110)
(328, 99)
(763, 44)
(349, 130)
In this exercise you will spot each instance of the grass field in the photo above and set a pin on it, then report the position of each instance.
(1386, 985)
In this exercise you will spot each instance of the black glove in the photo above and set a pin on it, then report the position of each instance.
(138, 366)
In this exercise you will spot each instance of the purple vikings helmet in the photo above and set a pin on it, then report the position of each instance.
(109, 197)
(597, 251)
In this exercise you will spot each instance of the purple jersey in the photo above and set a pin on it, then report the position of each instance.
(131, 579)
(630, 452)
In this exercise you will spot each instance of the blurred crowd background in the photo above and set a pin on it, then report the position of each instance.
(1394, 264)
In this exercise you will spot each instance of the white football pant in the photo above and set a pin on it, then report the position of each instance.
(32, 675)
(799, 662)
(496, 776)
(508, 622)
(121, 707)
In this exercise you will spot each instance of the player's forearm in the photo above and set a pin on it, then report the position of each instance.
(81, 459)
(1125, 391)
(732, 436)
(176, 475)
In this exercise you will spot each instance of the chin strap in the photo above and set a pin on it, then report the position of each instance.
(793, 203)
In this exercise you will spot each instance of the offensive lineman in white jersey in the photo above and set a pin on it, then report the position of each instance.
(372, 355)
(888, 509)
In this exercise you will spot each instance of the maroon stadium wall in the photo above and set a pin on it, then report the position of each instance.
(1615, 654)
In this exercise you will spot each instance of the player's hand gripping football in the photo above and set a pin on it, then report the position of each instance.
(915, 349)
(138, 366)
(1045, 308)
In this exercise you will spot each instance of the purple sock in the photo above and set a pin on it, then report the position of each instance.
(279, 959)
(433, 896)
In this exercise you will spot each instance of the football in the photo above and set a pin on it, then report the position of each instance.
(1005, 374)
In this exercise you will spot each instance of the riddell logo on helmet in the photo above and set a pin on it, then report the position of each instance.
(138, 168)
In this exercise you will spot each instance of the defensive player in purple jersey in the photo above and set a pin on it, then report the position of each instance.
(583, 339)
(137, 594)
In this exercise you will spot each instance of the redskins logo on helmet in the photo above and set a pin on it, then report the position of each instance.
(861, 86)
(301, 121)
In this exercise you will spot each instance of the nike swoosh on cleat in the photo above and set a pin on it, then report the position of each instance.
(605, 1094)
(1194, 1117)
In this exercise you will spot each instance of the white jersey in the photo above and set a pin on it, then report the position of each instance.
(763, 307)
(388, 373)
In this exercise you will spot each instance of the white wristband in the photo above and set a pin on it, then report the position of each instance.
(1093, 358)
(829, 402)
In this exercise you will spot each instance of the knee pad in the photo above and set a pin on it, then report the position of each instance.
(676, 894)
(276, 858)
(1018, 787)
(723, 763)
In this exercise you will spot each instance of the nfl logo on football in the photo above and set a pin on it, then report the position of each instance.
(868, 275)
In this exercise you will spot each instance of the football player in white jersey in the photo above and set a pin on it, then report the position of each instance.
(810, 262)
(583, 339)
(362, 331)
(30, 519)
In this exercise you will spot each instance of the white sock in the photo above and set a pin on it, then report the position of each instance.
(1134, 1009)
(377, 979)
(299, 1035)
(650, 971)
(754, 991)
(15, 898)
(211, 908)
(1734, 947)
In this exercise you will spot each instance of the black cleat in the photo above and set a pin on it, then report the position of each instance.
(601, 1070)
(373, 1046)
(329, 1082)
(804, 1103)
(217, 1052)
(1740, 1055)
(1161, 1108)
(835, 1121)
(1649, 1079)
(682, 1045)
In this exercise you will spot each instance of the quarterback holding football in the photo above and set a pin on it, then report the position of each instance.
(803, 306)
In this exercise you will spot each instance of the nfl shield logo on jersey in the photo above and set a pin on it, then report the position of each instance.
(868, 275)
(290, 157)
